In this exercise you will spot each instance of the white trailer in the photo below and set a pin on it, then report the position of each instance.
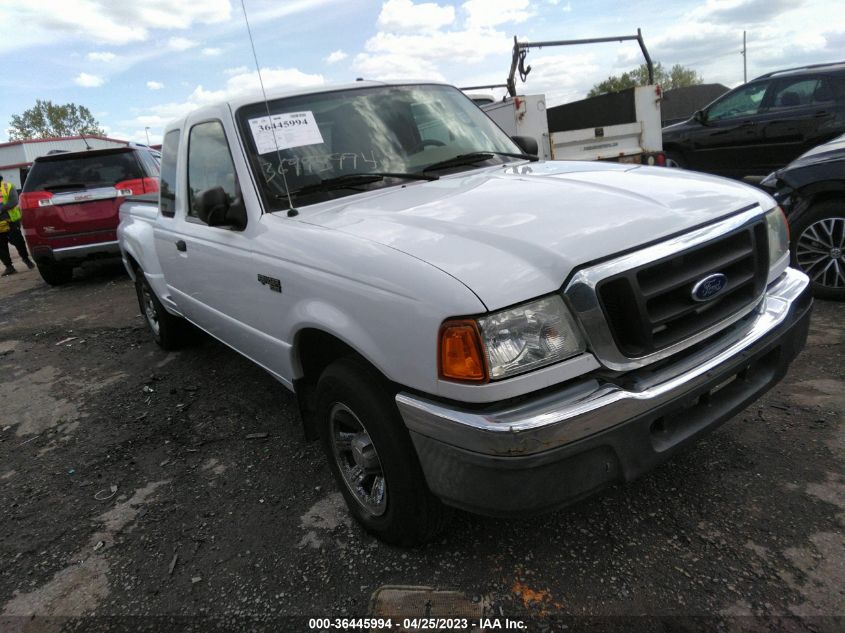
(623, 126)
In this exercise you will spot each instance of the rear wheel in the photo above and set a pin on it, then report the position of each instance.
(818, 247)
(674, 159)
(169, 331)
(372, 457)
(54, 273)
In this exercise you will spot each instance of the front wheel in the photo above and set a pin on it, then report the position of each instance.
(372, 457)
(818, 248)
(168, 331)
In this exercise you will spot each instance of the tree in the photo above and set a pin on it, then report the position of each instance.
(47, 119)
(676, 77)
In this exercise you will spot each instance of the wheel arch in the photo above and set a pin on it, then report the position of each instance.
(314, 349)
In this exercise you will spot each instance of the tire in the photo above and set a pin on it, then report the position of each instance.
(169, 332)
(54, 273)
(361, 430)
(675, 159)
(818, 247)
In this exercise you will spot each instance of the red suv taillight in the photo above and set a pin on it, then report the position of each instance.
(35, 199)
(137, 186)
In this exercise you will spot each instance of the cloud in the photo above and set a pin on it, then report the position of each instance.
(104, 57)
(451, 46)
(239, 84)
(155, 85)
(708, 38)
(741, 13)
(422, 40)
(336, 56)
(181, 43)
(396, 66)
(404, 15)
(562, 78)
(488, 13)
(418, 56)
(108, 21)
(89, 81)
(211, 51)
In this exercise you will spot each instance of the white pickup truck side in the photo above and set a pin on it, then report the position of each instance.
(463, 326)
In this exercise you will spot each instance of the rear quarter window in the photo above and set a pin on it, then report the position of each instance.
(83, 172)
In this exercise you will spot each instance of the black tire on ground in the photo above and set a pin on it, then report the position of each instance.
(54, 273)
(169, 331)
(675, 159)
(359, 424)
(818, 247)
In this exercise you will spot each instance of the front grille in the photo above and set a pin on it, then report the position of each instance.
(651, 307)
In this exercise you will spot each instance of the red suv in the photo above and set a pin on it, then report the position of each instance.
(70, 203)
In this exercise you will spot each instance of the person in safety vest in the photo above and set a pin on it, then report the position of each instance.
(10, 228)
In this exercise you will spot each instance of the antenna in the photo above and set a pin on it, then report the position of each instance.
(84, 140)
(291, 211)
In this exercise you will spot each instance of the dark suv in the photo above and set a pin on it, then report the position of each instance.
(70, 201)
(762, 125)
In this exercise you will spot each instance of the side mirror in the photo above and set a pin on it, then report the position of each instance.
(527, 144)
(700, 116)
(213, 207)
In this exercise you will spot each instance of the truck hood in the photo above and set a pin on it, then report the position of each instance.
(514, 232)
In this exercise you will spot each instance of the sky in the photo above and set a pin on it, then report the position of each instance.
(138, 64)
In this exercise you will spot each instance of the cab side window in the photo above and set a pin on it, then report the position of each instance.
(210, 164)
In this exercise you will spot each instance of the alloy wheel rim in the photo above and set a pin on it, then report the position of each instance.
(150, 311)
(820, 252)
(357, 460)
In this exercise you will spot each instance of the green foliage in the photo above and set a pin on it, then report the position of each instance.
(47, 120)
(676, 77)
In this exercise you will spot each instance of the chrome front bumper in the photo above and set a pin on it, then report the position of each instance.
(647, 412)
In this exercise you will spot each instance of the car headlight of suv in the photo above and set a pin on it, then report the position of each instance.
(778, 237)
(509, 342)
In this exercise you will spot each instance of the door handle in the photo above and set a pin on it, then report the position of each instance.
(748, 124)
(181, 246)
(821, 113)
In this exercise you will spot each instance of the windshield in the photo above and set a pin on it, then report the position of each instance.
(384, 129)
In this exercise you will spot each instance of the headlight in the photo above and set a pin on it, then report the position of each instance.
(511, 341)
(778, 235)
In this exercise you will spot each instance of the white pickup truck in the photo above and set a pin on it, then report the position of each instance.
(463, 326)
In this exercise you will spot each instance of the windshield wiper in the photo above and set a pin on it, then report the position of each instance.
(349, 181)
(475, 157)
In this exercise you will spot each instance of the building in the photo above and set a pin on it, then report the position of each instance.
(16, 156)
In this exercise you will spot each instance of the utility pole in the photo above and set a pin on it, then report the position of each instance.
(147, 131)
(744, 60)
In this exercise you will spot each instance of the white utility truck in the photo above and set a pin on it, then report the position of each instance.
(462, 324)
(622, 126)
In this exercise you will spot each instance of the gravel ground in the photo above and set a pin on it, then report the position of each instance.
(135, 482)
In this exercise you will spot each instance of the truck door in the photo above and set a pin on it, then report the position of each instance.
(207, 269)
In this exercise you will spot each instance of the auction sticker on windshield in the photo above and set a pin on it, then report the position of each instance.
(283, 131)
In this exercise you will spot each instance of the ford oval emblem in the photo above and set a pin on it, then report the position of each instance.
(709, 287)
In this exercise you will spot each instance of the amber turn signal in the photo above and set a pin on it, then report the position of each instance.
(460, 356)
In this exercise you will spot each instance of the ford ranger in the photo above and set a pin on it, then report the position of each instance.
(463, 325)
